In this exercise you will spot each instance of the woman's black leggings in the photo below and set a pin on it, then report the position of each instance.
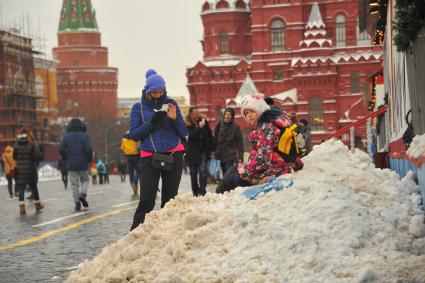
(149, 184)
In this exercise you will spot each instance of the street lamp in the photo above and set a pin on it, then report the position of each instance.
(106, 138)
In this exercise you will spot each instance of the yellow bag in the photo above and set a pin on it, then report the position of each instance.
(287, 146)
(129, 146)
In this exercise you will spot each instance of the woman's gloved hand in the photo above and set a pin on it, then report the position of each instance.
(158, 118)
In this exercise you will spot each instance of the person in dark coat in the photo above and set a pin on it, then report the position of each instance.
(156, 121)
(76, 148)
(122, 168)
(198, 150)
(228, 143)
(27, 155)
(305, 131)
(64, 172)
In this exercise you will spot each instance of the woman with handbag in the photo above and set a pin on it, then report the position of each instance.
(158, 124)
(27, 155)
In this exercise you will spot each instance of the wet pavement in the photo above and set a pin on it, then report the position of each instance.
(49, 258)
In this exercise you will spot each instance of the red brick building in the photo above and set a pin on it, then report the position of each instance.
(308, 55)
(87, 86)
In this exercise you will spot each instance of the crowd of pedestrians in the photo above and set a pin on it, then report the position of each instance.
(158, 145)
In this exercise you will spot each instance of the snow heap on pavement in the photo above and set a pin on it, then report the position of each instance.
(417, 147)
(342, 221)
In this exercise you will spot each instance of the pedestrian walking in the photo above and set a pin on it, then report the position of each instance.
(27, 155)
(76, 148)
(9, 164)
(199, 144)
(101, 171)
(264, 159)
(228, 142)
(93, 173)
(129, 149)
(106, 175)
(156, 121)
(64, 172)
(122, 169)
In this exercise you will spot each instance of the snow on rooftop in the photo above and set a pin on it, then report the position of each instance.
(337, 58)
(292, 94)
(221, 63)
(315, 19)
(342, 221)
(417, 147)
(315, 32)
(247, 88)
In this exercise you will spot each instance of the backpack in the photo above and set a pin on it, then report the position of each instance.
(287, 146)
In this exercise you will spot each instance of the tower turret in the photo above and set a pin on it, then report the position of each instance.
(226, 28)
(84, 76)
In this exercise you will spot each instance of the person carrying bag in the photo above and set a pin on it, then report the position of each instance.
(156, 121)
(9, 165)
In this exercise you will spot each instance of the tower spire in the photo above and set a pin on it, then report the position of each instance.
(77, 16)
(315, 20)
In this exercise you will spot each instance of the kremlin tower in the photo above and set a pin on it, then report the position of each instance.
(87, 86)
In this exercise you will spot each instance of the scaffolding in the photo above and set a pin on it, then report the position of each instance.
(20, 103)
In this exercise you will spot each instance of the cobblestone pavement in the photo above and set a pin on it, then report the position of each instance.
(51, 258)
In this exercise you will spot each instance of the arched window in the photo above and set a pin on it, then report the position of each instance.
(315, 106)
(340, 31)
(277, 35)
(355, 83)
(363, 38)
(223, 43)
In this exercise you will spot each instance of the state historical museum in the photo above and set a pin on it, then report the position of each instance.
(308, 55)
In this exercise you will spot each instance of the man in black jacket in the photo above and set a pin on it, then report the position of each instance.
(198, 150)
(77, 150)
(228, 141)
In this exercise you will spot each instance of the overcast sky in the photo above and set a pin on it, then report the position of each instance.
(140, 34)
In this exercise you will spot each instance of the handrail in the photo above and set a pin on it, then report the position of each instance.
(357, 123)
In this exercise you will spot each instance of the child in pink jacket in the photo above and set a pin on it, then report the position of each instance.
(264, 160)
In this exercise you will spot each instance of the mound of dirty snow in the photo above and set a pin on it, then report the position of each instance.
(342, 221)
(417, 147)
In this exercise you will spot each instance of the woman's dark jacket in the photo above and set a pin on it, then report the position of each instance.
(27, 156)
(228, 142)
(199, 141)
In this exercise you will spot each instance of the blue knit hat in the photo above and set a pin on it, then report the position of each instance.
(153, 81)
(150, 72)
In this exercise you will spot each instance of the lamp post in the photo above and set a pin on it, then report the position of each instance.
(106, 138)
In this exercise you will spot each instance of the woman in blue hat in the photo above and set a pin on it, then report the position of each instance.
(156, 121)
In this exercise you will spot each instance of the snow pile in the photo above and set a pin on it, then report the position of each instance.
(342, 221)
(417, 147)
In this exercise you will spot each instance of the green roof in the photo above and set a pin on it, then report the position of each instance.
(77, 16)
